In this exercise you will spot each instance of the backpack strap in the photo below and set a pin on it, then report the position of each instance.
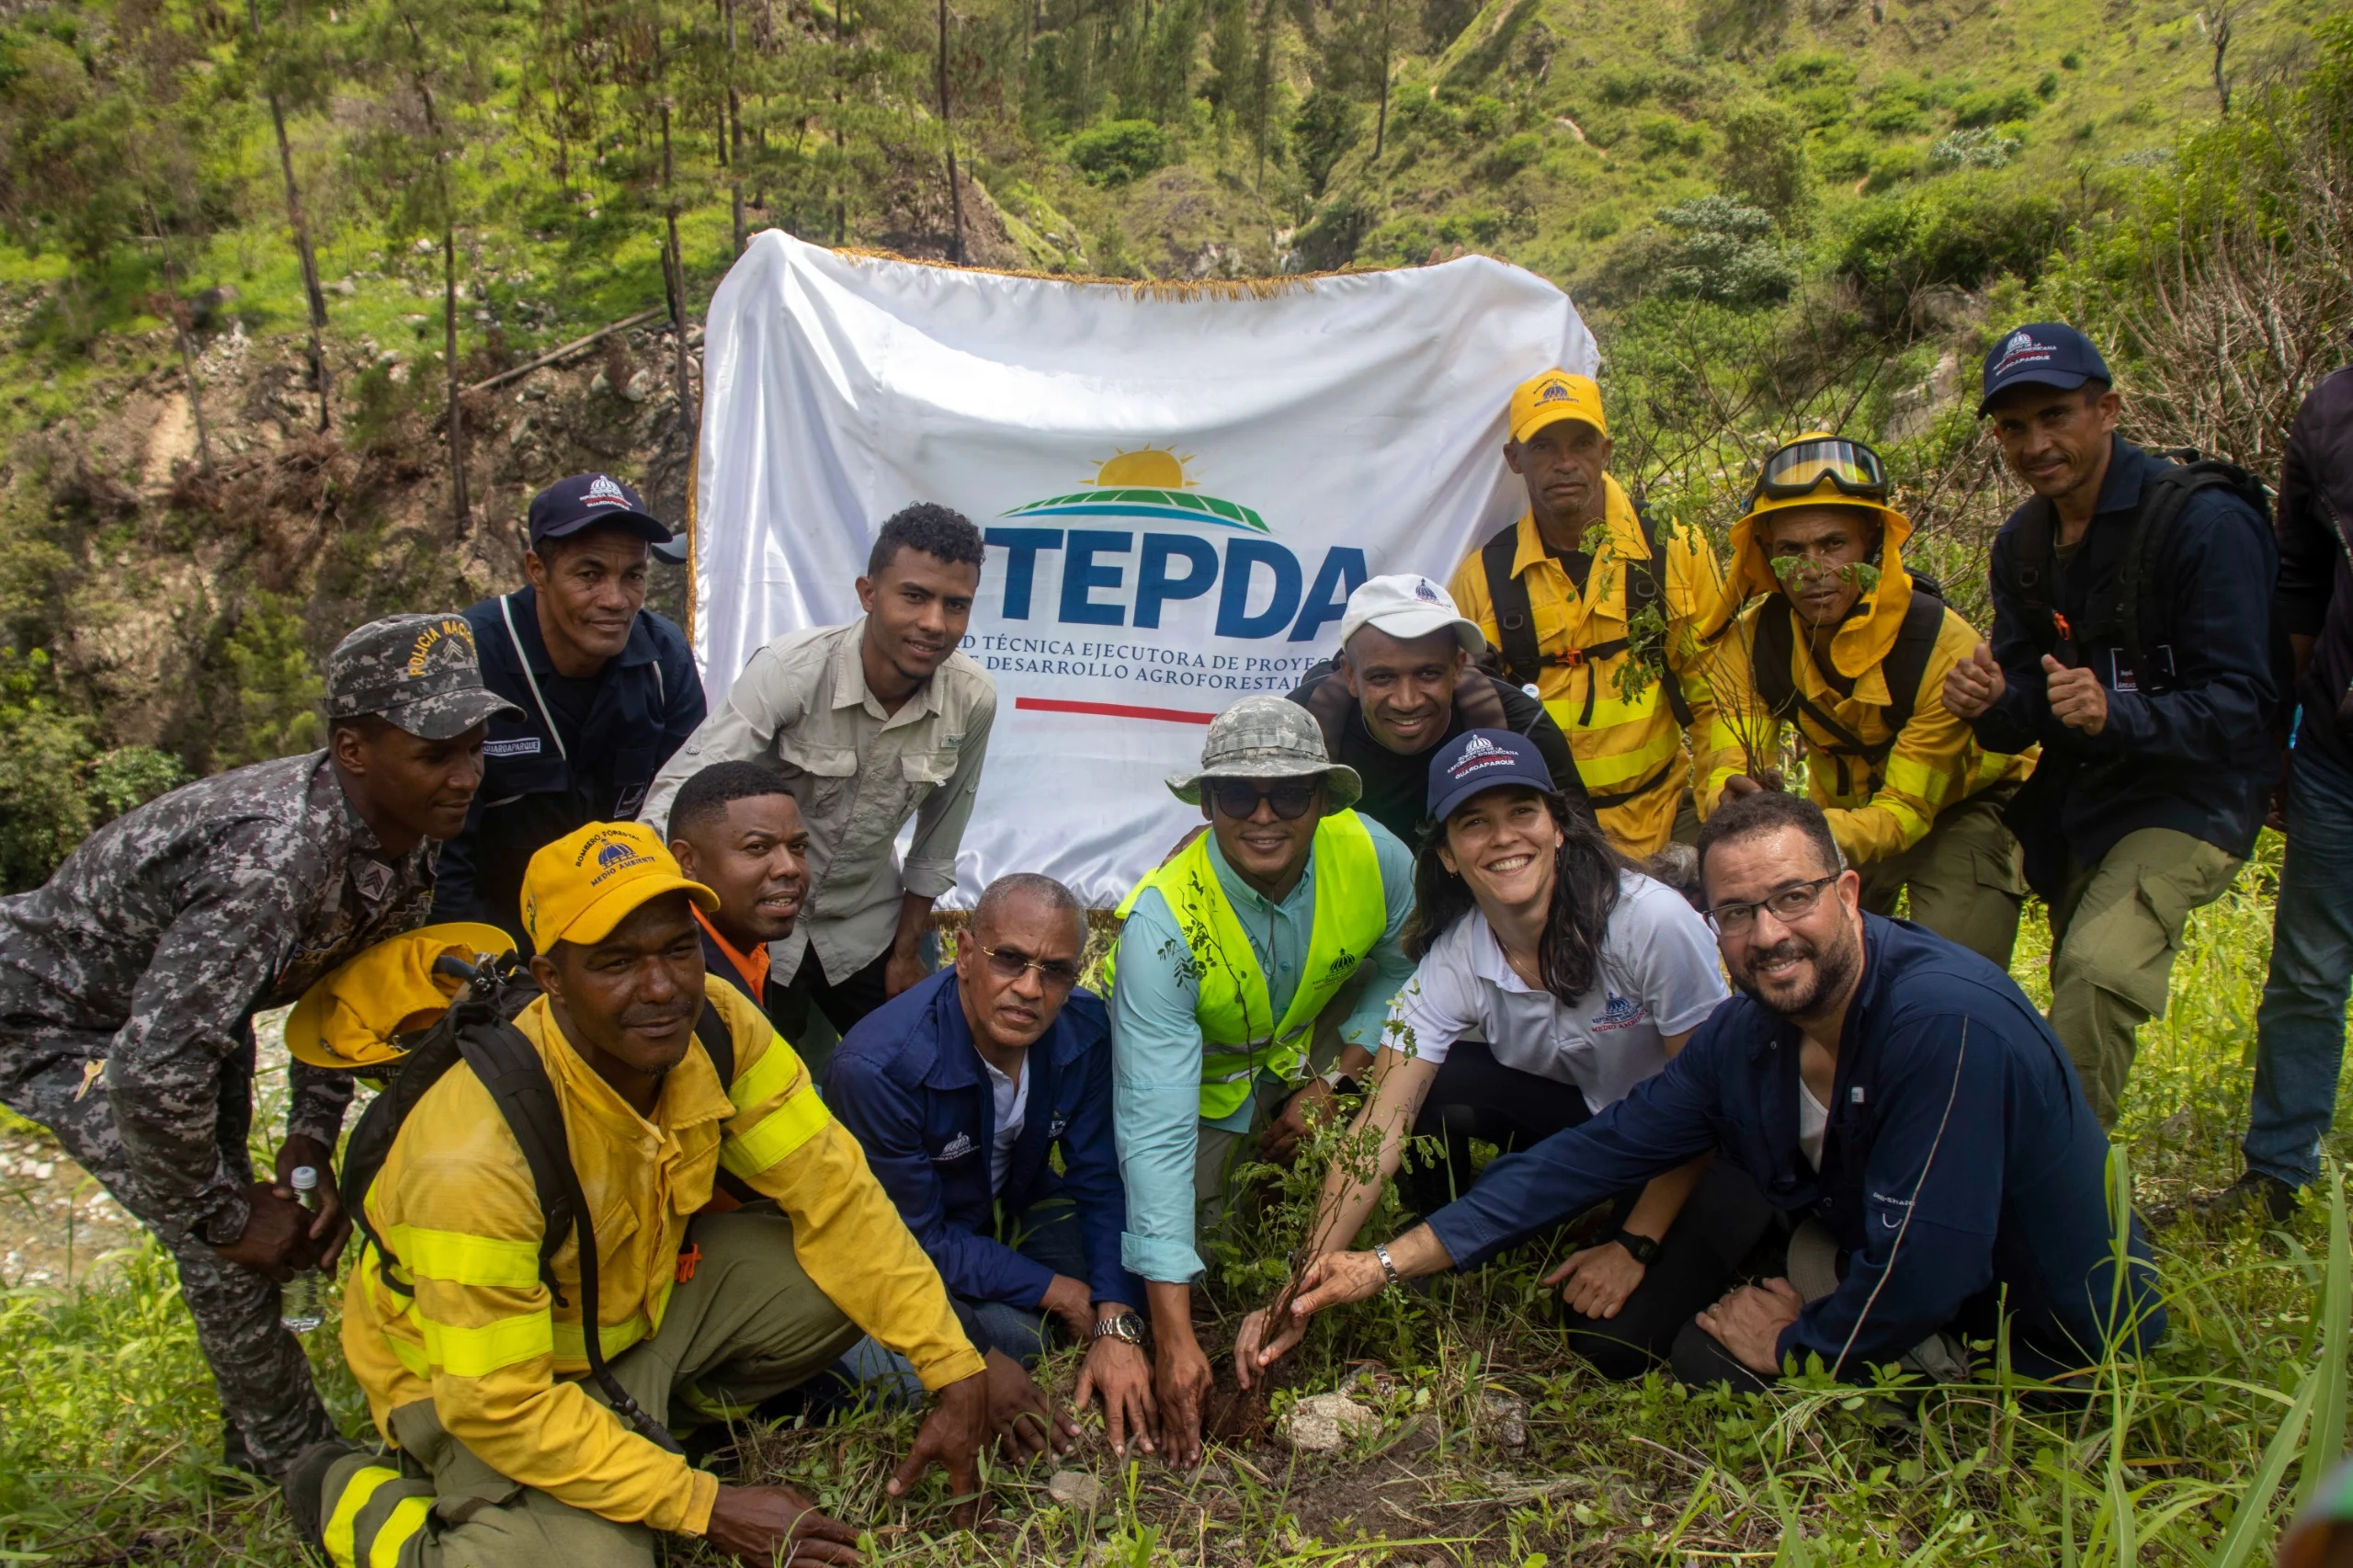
(517, 1080)
(1643, 580)
(718, 1043)
(2140, 604)
(1903, 669)
(2033, 564)
(1515, 617)
(1521, 659)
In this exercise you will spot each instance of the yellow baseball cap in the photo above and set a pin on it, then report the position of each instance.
(1553, 396)
(580, 887)
(355, 1014)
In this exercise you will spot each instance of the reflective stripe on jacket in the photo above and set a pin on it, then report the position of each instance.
(1935, 762)
(1235, 1010)
(467, 1322)
(1632, 744)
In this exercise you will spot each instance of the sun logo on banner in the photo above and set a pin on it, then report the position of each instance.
(1152, 485)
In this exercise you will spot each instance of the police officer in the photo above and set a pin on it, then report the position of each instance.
(605, 689)
(128, 984)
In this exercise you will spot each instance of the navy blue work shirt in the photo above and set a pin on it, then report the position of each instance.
(1960, 1165)
(2191, 750)
(910, 1086)
(583, 751)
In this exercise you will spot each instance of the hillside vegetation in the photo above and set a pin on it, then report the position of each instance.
(255, 253)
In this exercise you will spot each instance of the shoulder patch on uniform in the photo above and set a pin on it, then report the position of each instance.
(521, 746)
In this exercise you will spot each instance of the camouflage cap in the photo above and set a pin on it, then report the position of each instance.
(419, 672)
(1269, 737)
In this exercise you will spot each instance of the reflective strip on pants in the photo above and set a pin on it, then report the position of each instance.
(375, 1515)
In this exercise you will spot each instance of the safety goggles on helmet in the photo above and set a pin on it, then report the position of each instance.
(1808, 463)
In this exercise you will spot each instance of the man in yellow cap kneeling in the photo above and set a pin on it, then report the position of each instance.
(1601, 612)
(1849, 646)
(474, 1361)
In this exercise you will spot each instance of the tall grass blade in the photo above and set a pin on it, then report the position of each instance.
(2327, 1442)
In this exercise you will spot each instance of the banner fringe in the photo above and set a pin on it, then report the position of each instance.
(1160, 289)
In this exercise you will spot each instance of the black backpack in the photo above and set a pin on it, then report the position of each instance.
(479, 1029)
(2135, 617)
(1519, 658)
(1907, 662)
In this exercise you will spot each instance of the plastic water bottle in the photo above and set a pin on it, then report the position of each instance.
(302, 1300)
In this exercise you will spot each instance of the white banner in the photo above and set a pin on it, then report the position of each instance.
(1180, 487)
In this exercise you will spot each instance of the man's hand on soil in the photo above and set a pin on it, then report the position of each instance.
(1021, 1414)
(1281, 1141)
(1254, 1351)
(1072, 1302)
(761, 1524)
(1181, 1383)
(1121, 1374)
(950, 1438)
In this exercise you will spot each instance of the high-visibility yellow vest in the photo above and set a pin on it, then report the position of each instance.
(1239, 1032)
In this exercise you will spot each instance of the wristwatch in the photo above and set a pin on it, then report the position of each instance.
(1388, 1265)
(1641, 1248)
(1127, 1326)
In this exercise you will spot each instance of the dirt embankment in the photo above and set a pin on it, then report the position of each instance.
(135, 560)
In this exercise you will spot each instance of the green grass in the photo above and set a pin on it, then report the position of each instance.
(108, 1425)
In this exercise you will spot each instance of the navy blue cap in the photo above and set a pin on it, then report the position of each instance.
(592, 501)
(1483, 759)
(2041, 354)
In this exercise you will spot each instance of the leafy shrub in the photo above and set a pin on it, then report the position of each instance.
(1995, 109)
(1981, 149)
(1663, 136)
(1484, 117)
(54, 784)
(1764, 156)
(1325, 130)
(1511, 155)
(1961, 230)
(1846, 158)
(278, 689)
(1330, 239)
(1403, 240)
(1726, 251)
(1894, 166)
(1599, 223)
(1896, 115)
(1120, 151)
(2046, 88)
(1819, 107)
(1812, 68)
(1621, 88)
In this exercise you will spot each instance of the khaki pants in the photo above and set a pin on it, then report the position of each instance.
(2113, 936)
(748, 1325)
(1218, 1152)
(1966, 878)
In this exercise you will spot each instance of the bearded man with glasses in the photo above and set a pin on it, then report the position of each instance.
(960, 1089)
(1894, 1096)
(1252, 979)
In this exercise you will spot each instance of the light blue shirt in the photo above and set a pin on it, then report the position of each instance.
(1157, 1044)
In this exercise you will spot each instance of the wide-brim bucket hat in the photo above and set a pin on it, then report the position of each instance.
(1269, 737)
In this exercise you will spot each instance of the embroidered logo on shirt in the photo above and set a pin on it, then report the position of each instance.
(525, 745)
(1621, 1013)
(374, 880)
(957, 1148)
(1055, 1129)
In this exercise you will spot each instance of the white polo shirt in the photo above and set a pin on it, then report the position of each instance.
(1659, 977)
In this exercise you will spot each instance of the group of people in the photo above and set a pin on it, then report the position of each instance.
(1519, 867)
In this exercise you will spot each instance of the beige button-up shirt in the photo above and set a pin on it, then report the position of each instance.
(858, 773)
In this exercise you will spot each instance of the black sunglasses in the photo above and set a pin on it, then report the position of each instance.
(1239, 799)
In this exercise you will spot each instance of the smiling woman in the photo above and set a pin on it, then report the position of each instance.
(1554, 978)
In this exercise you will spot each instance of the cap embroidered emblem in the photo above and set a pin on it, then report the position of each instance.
(1424, 591)
(1478, 746)
(1553, 393)
(613, 854)
(604, 492)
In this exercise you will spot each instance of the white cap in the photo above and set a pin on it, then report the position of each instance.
(1406, 607)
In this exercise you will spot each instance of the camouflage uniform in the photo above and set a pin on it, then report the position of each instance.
(129, 983)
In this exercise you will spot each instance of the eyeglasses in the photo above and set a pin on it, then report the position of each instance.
(1791, 902)
(1805, 466)
(1006, 964)
(1239, 799)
